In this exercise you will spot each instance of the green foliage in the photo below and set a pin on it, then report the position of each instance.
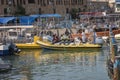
(73, 13)
(20, 10)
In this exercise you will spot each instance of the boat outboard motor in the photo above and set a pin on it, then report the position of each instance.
(13, 49)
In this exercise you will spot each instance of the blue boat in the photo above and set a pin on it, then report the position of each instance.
(4, 49)
(8, 49)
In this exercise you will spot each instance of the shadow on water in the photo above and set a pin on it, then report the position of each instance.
(47, 51)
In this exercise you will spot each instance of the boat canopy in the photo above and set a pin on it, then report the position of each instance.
(50, 15)
(27, 20)
(46, 15)
(5, 20)
(35, 15)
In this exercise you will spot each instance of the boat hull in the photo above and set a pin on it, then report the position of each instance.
(32, 45)
(4, 52)
(28, 46)
(68, 47)
(4, 49)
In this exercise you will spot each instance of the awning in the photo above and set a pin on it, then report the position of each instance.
(35, 15)
(50, 15)
(5, 20)
(27, 20)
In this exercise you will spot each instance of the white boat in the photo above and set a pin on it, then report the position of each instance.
(4, 49)
(8, 49)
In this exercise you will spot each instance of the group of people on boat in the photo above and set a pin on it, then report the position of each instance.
(67, 37)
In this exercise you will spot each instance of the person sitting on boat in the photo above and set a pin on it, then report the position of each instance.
(64, 38)
(67, 32)
(55, 39)
(77, 40)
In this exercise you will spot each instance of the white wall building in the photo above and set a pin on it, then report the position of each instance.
(117, 6)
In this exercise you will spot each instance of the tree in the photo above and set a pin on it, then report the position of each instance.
(73, 13)
(20, 10)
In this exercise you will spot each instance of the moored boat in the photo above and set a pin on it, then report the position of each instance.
(4, 49)
(8, 49)
(29, 45)
(71, 46)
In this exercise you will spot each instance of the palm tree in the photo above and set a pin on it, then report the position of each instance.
(73, 13)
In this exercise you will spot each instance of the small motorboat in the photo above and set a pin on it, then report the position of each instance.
(8, 49)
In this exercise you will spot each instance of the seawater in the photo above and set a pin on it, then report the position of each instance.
(57, 65)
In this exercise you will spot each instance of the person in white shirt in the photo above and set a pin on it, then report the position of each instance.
(83, 36)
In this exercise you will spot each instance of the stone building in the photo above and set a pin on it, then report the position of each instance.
(62, 7)
(99, 6)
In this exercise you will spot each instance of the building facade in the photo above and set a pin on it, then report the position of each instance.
(62, 7)
(102, 5)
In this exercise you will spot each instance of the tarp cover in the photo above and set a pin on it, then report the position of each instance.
(35, 15)
(27, 20)
(50, 15)
(5, 20)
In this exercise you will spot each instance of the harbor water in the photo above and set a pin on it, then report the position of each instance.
(57, 65)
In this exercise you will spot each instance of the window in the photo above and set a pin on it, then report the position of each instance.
(39, 10)
(6, 2)
(5, 10)
(38, 1)
(58, 2)
(79, 1)
(17, 2)
(67, 10)
(66, 2)
(2, 2)
(42, 3)
(48, 2)
(31, 1)
(79, 9)
(20, 1)
(24, 2)
(118, 5)
(13, 2)
(54, 10)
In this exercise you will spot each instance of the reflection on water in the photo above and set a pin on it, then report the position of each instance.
(57, 65)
